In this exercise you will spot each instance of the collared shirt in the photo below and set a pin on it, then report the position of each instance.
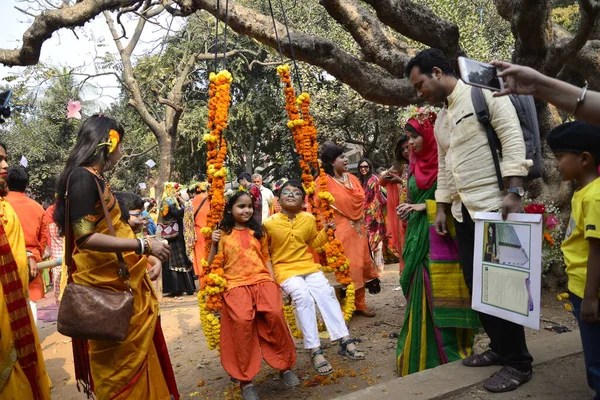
(267, 201)
(289, 242)
(466, 168)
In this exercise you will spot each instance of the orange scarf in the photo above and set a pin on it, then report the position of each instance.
(349, 199)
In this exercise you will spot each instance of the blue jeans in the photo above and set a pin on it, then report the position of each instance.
(591, 345)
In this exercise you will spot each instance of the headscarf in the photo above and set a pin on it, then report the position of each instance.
(425, 164)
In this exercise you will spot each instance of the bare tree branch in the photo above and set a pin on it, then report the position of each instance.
(48, 22)
(141, 153)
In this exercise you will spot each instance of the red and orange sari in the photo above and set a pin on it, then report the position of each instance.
(350, 229)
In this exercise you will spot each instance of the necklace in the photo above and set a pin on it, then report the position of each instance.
(341, 178)
(101, 177)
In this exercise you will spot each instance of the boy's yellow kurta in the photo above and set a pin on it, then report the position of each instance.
(13, 382)
(289, 240)
(131, 368)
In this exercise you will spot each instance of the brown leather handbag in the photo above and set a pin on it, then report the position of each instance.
(87, 312)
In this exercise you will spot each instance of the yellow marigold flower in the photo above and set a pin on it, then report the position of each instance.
(568, 307)
(113, 140)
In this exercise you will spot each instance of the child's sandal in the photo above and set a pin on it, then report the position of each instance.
(355, 354)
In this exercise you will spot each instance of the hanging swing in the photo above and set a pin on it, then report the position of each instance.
(301, 124)
(304, 131)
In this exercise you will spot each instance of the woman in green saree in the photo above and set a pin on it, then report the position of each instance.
(438, 323)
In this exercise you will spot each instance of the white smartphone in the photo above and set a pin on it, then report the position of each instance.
(480, 74)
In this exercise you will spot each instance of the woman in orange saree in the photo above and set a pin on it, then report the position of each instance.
(22, 369)
(395, 180)
(137, 367)
(349, 221)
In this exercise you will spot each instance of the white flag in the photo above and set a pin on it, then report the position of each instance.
(150, 163)
(23, 162)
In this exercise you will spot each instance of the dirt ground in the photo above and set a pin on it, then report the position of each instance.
(198, 369)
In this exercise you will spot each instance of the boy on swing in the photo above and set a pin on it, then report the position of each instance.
(290, 233)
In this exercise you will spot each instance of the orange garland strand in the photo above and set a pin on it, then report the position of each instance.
(212, 282)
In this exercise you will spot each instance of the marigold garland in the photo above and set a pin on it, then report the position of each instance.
(304, 132)
(213, 283)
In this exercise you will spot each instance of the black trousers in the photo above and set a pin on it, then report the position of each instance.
(507, 338)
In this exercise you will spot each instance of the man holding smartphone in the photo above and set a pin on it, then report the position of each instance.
(467, 184)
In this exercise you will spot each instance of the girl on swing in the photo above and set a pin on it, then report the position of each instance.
(253, 326)
(290, 233)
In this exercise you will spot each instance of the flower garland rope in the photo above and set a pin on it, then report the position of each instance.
(212, 284)
(304, 132)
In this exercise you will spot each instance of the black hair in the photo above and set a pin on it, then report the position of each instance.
(228, 222)
(244, 175)
(3, 146)
(17, 179)
(398, 157)
(427, 59)
(295, 184)
(127, 202)
(85, 153)
(363, 179)
(328, 155)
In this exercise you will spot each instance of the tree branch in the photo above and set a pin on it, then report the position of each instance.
(376, 43)
(564, 49)
(368, 80)
(417, 22)
(137, 100)
(48, 22)
(532, 28)
(141, 153)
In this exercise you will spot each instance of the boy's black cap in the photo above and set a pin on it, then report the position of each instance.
(576, 137)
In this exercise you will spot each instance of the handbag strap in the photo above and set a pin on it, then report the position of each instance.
(200, 206)
(122, 270)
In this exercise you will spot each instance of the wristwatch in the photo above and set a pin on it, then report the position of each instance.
(519, 191)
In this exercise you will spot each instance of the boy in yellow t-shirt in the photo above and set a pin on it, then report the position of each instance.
(576, 146)
(291, 232)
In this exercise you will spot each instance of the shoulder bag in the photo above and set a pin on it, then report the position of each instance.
(91, 313)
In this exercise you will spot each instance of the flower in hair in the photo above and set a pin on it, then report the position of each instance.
(113, 141)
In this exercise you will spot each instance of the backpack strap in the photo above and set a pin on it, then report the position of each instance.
(483, 116)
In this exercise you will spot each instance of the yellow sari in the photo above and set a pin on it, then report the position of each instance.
(128, 369)
(13, 381)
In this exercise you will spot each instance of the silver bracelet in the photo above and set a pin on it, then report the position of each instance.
(580, 99)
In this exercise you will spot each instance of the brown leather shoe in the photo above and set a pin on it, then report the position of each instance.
(365, 313)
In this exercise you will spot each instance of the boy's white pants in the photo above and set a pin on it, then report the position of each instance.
(305, 290)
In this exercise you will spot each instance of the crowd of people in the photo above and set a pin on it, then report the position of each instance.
(419, 210)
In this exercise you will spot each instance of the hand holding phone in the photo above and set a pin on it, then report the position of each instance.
(477, 73)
